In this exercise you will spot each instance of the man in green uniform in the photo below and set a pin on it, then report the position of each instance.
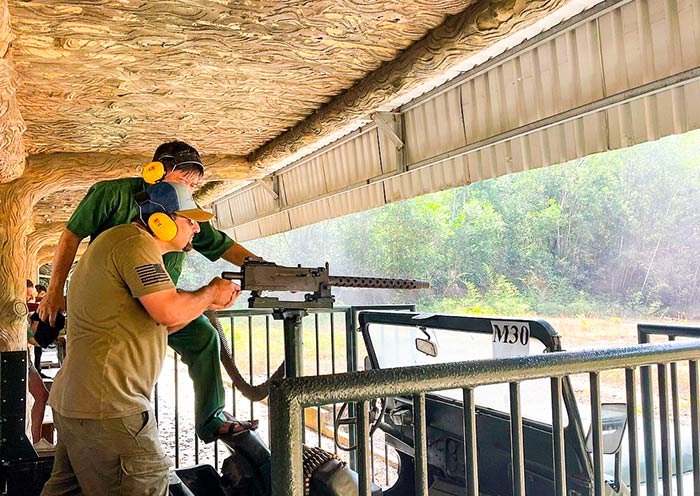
(122, 306)
(111, 203)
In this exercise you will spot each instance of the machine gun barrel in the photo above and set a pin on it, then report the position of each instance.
(376, 282)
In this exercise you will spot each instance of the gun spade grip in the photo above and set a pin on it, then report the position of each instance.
(376, 282)
(232, 276)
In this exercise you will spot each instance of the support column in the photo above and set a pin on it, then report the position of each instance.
(15, 222)
(46, 255)
(42, 176)
(15, 208)
(11, 123)
(43, 235)
(17, 200)
(33, 246)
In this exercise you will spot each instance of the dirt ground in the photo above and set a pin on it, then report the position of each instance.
(585, 333)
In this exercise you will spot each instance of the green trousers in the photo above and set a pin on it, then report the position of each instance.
(198, 345)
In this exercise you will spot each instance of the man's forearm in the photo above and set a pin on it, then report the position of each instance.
(175, 309)
(237, 254)
(62, 260)
(189, 305)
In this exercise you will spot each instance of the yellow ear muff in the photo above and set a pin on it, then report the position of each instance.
(162, 226)
(153, 172)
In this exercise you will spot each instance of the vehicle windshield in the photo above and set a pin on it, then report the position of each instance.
(403, 346)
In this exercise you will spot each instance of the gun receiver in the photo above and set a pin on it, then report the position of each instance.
(257, 276)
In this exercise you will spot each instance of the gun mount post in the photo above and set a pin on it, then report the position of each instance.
(293, 340)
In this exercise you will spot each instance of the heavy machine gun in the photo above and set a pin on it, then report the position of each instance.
(258, 276)
(247, 470)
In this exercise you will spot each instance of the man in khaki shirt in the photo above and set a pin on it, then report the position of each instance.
(122, 305)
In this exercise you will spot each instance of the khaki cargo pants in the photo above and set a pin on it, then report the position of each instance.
(119, 456)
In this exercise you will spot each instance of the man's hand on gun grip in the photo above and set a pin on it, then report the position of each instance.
(50, 306)
(224, 293)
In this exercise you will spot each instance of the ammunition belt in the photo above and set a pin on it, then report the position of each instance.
(313, 459)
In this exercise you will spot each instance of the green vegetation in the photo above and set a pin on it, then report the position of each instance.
(616, 233)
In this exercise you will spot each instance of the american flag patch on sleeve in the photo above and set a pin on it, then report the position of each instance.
(152, 274)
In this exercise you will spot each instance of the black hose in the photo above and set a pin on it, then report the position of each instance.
(253, 393)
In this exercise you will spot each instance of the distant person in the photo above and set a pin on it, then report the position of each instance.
(119, 324)
(41, 395)
(30, 291)
(38, 334)
(40, 292)
(110, 203)
(43, 336)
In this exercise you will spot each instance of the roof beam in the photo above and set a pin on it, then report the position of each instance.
(77, 170)
(44, 234)
(46, 253)
(460, 36)
(214, 190)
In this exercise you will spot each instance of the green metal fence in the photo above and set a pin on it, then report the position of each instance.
(256, 325)
(289, 398)
(645, 332)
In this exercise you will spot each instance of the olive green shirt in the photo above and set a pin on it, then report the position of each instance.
(111, 203)
(116, 348)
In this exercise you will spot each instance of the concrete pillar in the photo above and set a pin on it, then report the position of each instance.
(15, 222)
(43, 175)
(43, 235)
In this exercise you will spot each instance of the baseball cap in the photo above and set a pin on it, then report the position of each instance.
(180, 153)
(174, 198)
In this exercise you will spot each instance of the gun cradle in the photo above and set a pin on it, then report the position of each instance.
(272, 277)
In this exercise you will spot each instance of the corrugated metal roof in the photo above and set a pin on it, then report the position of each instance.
(579, 92)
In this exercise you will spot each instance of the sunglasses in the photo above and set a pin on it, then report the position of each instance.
(191, 222)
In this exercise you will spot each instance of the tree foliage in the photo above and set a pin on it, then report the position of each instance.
(613, 232)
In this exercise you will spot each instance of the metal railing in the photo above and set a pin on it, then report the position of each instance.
(250, 322)
(645, 332)
(289, 398)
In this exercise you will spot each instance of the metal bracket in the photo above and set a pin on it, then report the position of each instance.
(267, 188)
(310, 301)
(384, 127)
